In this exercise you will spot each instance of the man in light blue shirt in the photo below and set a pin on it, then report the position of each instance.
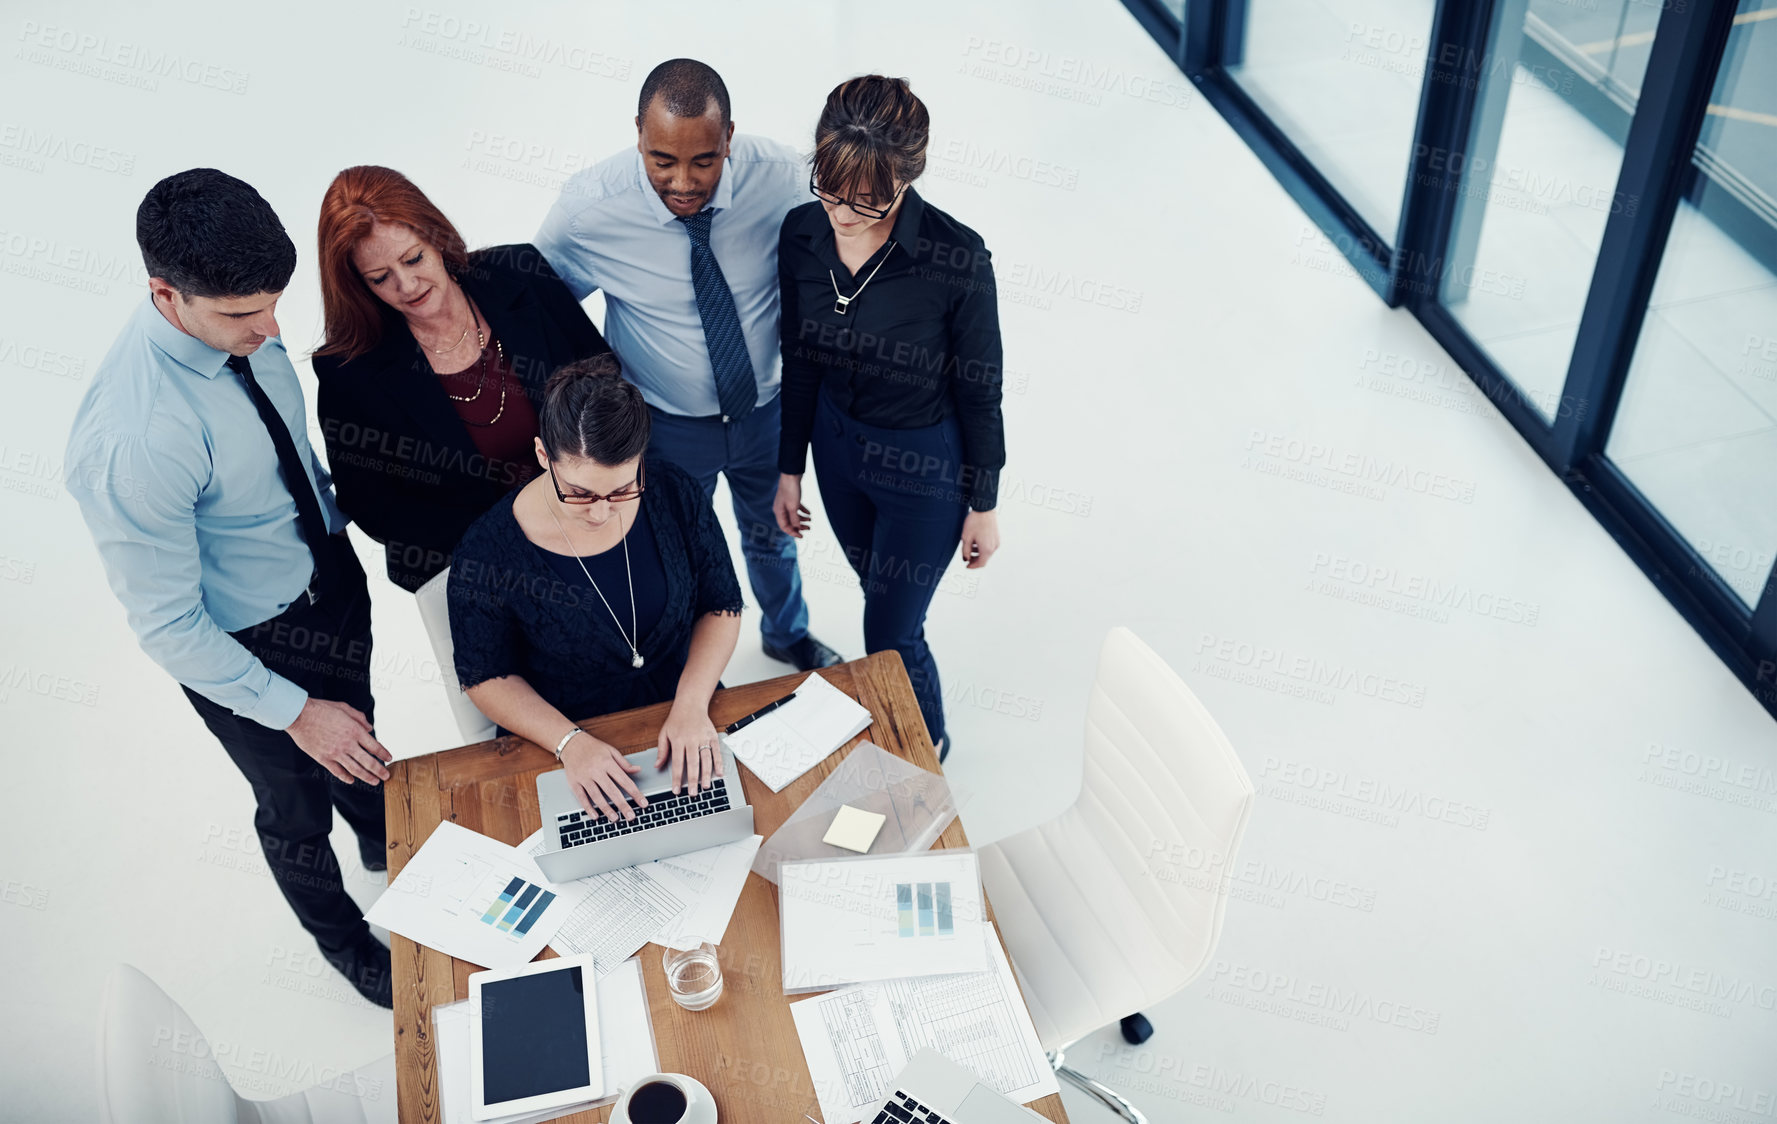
(218, 530)
(681, 236)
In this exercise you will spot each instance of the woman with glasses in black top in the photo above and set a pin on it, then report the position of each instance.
(603, 584)
(891, 346)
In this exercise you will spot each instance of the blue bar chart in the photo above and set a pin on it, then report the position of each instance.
(923, 909)
(516, 907)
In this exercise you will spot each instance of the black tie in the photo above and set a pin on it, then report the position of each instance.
(308, 508)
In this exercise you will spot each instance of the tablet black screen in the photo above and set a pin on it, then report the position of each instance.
(533, 1035)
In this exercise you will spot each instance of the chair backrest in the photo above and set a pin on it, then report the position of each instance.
(1165, 794)
(435, 613)
(154, 1065)
(1118, 902)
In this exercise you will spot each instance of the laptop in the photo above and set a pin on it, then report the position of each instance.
(935, 1090)
(577, 844)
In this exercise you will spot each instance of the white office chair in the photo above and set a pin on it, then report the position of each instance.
(1116, 904)
(155, 1067)
(435, 613)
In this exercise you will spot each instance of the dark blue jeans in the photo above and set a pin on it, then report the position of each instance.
(897, 504)
(746, 452)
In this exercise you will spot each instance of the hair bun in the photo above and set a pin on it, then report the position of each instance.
(591, 369)
(591, 410)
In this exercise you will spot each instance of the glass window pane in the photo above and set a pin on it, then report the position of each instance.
(1537, 183)
(1608, 42)
(1341, 78)
(1696, 429)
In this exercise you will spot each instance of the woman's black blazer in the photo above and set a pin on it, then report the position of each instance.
(404, 467)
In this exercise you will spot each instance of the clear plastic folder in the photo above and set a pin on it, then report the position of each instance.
(918, 806)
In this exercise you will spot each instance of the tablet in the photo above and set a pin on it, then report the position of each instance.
(534, 1037)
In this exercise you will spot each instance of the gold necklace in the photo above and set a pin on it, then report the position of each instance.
(481, 347)
(500, 357)
(474, 321)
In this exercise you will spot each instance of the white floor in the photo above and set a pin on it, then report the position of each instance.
(1541, 888)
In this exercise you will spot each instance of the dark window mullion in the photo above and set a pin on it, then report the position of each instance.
(1656, 159)
(1201, 50)
(1446, 105)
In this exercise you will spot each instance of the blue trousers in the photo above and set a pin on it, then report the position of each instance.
(896, 505)
(746, 452)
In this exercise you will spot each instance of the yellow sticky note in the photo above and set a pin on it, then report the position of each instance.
(854, 829)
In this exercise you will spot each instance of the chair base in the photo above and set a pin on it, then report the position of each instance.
(1103, 1094)
(1136, 1028)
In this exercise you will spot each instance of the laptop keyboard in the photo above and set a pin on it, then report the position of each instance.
(903, 1109)
(576, 828)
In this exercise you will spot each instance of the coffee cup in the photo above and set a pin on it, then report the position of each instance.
(665, 1098)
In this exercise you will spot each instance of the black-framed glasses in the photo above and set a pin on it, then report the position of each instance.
(630, 491)
(861, 208)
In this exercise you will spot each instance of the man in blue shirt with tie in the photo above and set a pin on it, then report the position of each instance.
(681, 236)
(217, 527)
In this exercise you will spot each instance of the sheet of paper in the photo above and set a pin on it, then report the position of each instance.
(879, 918)
(857, 1039)
(854, 829)
(626, 1041)
(718, 875)
(476, 899)
(626, 908)
(799, 735)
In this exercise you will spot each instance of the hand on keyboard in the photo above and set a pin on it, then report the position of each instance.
(578, 827)
(600, 778)
(690, 738)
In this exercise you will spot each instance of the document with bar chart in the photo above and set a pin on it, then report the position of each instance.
(476, 899)
(880, 918)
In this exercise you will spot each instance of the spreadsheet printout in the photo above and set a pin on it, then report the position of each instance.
(856, 1039)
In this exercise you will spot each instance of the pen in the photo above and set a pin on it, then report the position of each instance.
(757, 714)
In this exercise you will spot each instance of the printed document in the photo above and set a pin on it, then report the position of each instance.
(856, 1040)
(676, 901)
(476, 899)
(879, 918)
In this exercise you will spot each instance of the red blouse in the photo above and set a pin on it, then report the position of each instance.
(499, 417)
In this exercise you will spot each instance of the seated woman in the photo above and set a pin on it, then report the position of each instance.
(433, 369)
(603, 584)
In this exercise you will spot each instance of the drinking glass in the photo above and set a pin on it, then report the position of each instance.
(693, 975)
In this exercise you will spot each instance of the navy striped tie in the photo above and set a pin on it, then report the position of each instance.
(736, 388)
(310, 519)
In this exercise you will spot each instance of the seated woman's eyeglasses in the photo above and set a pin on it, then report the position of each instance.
(630, 491)
(864, 209)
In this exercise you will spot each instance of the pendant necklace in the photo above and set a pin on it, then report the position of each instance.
(841, 302)
(635, 655)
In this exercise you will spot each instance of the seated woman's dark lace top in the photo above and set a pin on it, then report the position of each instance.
(633, 564)
(513, 612)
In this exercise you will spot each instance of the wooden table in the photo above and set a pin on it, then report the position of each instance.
(745, 1048)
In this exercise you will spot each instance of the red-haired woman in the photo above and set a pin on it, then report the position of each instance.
(433, 366)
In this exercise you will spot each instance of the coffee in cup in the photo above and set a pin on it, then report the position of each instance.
(657, 1102)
